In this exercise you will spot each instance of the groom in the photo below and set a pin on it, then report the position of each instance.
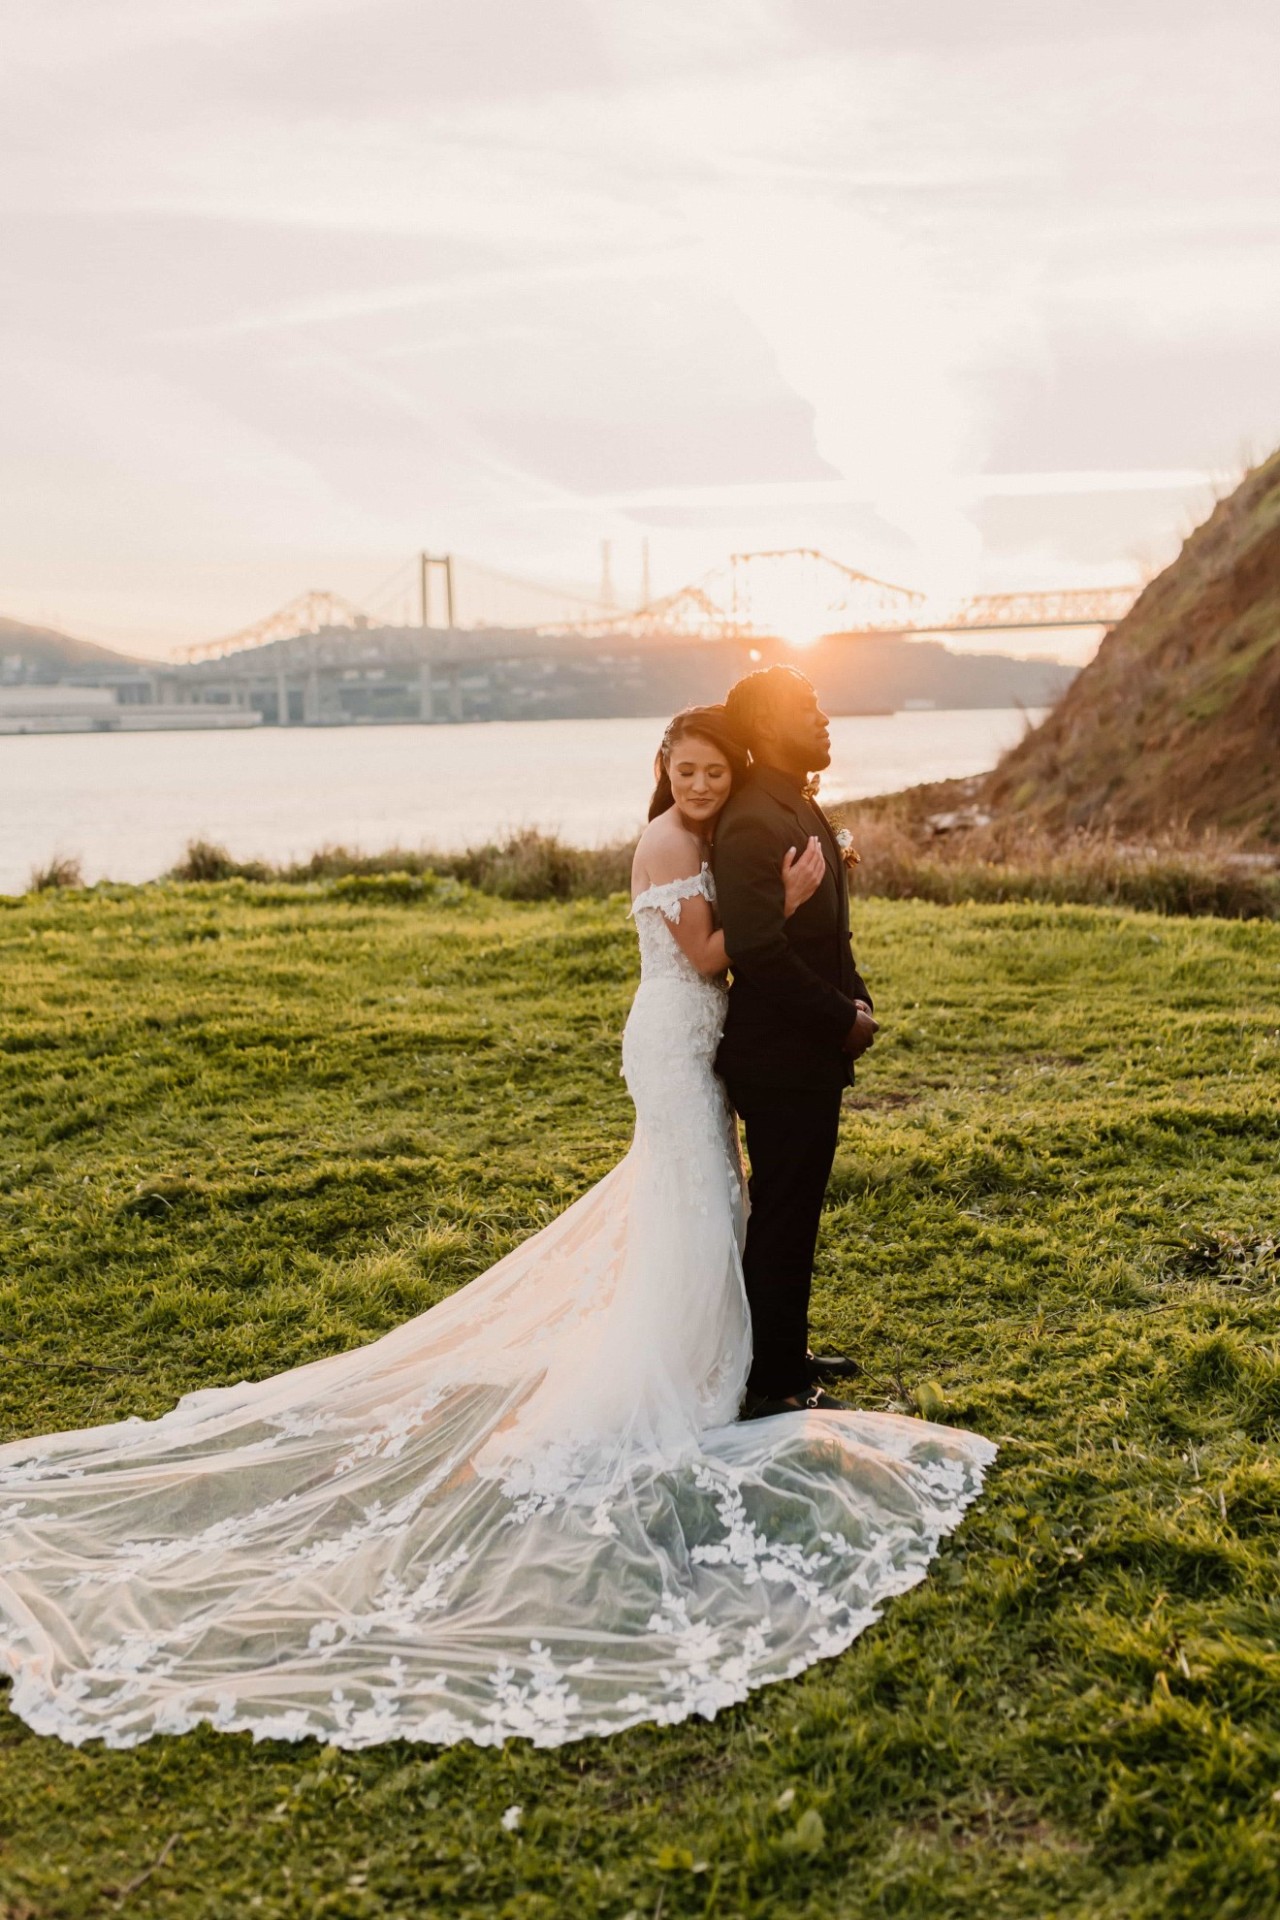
(799, 1016)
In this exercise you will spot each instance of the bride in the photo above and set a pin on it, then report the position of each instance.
(529, 1511)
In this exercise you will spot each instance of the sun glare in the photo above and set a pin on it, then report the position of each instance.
(799, 596)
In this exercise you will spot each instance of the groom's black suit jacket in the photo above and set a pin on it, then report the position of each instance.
(791, 1001)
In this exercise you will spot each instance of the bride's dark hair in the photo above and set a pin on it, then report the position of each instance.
(708, 723)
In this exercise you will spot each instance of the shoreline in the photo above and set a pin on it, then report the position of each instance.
(126, 808)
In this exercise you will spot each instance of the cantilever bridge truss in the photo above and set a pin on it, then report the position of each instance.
(800, 594)
(795, 594)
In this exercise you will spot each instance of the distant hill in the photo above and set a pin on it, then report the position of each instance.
(375, 673)
(40, 653)
(1176, 722)
(517, 676)
(865, 672)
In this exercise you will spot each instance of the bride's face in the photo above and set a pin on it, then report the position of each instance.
(701, 778)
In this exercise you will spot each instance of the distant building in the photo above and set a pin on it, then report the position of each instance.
(67, 708)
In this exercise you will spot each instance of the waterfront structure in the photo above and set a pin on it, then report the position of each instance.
(343, 676)
(67, 707)
(377, 675)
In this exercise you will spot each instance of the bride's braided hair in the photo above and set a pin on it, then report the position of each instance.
(708, 723)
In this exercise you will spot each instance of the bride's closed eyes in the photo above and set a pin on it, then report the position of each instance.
(701, 779)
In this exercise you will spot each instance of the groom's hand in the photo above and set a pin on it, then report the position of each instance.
(862, 1033)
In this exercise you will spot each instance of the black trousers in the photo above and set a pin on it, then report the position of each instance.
(791, 1142)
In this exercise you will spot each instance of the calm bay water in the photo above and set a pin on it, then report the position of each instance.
(126, 804)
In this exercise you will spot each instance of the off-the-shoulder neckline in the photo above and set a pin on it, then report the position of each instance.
(682, 888)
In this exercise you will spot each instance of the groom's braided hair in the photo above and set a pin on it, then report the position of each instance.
(755, 700)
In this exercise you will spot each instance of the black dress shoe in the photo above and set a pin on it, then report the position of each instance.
(759, 1406)
(831, 1366)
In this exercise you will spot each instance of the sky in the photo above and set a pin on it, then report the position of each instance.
(970, 298)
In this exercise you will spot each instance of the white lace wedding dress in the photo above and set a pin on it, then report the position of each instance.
(528, 1511)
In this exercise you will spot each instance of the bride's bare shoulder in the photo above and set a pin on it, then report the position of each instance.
(666, 851)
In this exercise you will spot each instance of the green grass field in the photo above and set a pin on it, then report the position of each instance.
(247, 1125)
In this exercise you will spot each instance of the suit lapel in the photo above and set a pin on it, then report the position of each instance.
(781, 789)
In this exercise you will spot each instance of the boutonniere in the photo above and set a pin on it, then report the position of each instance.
(848, 852)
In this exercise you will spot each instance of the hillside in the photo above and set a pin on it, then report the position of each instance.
(1176, 722)
(41, 653)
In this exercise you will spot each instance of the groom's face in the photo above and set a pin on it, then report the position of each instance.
(803, 731)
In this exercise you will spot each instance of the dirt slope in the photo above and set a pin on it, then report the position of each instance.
(1176, 723)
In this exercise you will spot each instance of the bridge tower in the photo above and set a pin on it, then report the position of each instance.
(442, 564)
(431, 672)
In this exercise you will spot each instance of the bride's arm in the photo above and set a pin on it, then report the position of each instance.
(695, 931)
(698, 938)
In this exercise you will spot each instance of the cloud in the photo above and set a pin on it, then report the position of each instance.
(358, 276)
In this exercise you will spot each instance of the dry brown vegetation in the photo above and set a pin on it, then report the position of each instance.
(63, 870)
(900, 859)
(905, 857)
(526, 866)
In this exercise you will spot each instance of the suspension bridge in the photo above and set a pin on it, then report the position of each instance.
(796, 595)
(445, 639)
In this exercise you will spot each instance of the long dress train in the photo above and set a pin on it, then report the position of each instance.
(528, 1511)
